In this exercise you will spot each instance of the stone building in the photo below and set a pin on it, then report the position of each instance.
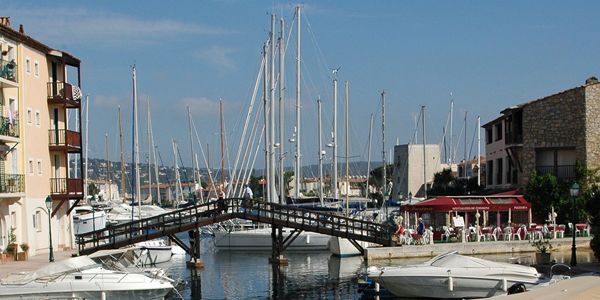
(548, 135)
(408, 169)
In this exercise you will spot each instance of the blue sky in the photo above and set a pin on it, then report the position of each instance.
(489, 54)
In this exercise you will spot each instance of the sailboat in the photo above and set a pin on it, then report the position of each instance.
(241, 237)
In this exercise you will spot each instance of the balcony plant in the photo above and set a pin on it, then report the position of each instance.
(543, 248)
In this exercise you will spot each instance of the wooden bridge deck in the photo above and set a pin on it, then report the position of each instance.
(193, 217)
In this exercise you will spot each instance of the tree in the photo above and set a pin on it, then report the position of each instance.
(543, 192)
(444, 183)
(376, 176)
(593, 208)
(93, 189)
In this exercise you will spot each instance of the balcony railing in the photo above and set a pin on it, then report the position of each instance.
(65, 138)
(9, 127)
(62, 92)
(12, 183)
(560, 172)
(66, 186)
(8, 70)
(513, 138)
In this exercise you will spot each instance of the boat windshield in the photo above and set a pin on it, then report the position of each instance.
(455, 260)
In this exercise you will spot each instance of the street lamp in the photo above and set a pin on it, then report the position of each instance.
(574, 193)
(49, 206)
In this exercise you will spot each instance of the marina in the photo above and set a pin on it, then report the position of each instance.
(242, 166)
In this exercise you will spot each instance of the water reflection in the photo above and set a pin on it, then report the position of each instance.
(249, 275)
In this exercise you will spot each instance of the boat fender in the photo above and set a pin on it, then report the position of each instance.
(504, 285)
(517, 288)
(450, 282)
(308, 238)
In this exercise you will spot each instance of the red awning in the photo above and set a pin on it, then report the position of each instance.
(471, 203)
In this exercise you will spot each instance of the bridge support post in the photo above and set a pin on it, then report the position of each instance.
(194, 252)
(277, 257)
(196, 284)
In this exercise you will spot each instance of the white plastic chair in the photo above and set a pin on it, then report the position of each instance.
(507, 234)
(517, 234)
(560, 231)
(571, 229)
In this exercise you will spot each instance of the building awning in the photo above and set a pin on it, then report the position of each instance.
(499, 202)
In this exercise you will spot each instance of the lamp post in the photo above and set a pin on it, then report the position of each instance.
(49, 206)
(574, 193)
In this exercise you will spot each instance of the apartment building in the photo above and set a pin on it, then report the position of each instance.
(548, 135)
(40, 140)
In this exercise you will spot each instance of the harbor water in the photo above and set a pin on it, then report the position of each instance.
(309, 275)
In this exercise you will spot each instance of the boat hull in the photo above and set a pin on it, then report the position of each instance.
(260, 240)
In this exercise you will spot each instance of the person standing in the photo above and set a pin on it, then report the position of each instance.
(248, 195)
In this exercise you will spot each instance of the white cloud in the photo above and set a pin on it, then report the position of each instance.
(199, 106)
(78, 25)
(216, 55)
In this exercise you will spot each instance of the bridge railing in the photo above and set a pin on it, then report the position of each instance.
(192, 217)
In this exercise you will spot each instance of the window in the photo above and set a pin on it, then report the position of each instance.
(37, 221)
(37, 118)
(499, 171)
(488, 135)
(30, 167)
(490, 172)
(39, 167)
(28, 65)
(29, 115)
(36, 69)
(13, 220)
(498, 132)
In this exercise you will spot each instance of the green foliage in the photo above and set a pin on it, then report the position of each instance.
(542, 246)
(12, 241)
(593, 208)
(543, 192)
(444, 183)
(376, 178)
(255, 186)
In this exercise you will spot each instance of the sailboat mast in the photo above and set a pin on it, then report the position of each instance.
(108, 171)
(424, 152)
(136, 160)
(267, 173)
(271, 179)
(320, 152)
(281, 111)
(149, 152)
(465, 154)
(478, 151)
(85, 171)
(369, 155)
(334, 176)
(222, 149)
(346, 154)
(195, 172)
(176, 167)
(450, 138)
(123, 190)
(297, 174)
(384, 171)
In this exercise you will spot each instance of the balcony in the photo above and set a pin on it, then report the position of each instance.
(66, 187)
(63, 93)
(64, 140)
(9, 129)
(11, 184)
(8, 73)
(566, 172)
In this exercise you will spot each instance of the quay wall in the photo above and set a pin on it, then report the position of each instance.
(406, 251)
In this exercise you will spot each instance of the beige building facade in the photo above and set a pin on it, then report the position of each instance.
(40, 141)
(409, 177)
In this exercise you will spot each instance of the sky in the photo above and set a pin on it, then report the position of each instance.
(484, 55)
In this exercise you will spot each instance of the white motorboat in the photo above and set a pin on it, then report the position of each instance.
(451, 275)
(87, 219)
(260, 239)
(82, 278)
(153, 252)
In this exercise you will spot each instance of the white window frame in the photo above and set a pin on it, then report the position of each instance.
(28, 65)
(38, 117)
(36, 68)
(37, 220)
(29, 116)
(39, 167)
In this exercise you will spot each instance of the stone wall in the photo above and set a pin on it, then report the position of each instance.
(592, 125)
(556, 121)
